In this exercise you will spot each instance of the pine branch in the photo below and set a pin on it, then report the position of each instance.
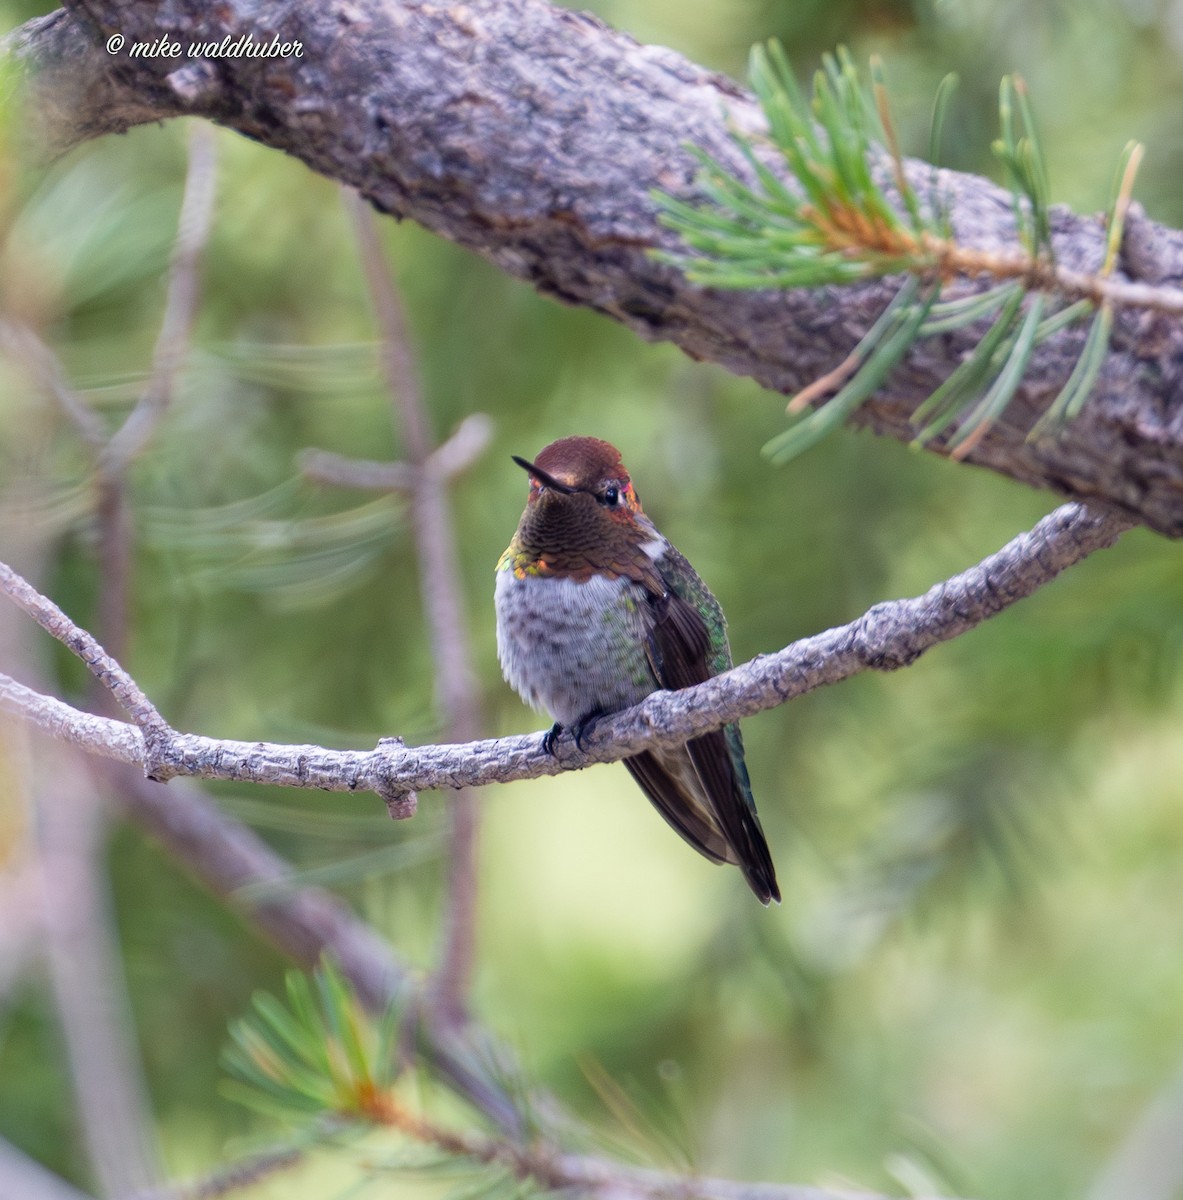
(318, 1063)
(845, 216)
(306, 923)
(505, 165)
(888, 636)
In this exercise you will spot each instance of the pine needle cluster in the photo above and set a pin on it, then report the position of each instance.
(848, 211)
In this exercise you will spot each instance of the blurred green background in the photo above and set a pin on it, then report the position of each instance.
(975, 976)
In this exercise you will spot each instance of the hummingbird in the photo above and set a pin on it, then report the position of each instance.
(596, 610)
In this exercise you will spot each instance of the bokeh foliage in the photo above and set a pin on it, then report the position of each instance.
(975, 971)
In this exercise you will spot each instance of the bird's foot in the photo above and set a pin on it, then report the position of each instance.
(584, 726)
(579, 731)
(548, 738)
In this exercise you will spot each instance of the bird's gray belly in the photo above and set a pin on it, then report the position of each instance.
(574, 648)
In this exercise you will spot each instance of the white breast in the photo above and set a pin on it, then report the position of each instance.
(574, 648)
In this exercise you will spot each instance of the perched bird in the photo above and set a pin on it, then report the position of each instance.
(595, 610)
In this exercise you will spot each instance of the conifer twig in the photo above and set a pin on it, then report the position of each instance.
(277, 1062)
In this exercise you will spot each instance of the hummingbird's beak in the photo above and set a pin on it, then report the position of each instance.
(543, 478)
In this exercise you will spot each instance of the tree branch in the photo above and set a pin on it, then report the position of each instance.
(443, 613)
(888, 636)
(536, 135)
(231, 861)
(104, 668)
(24, 345)
(451, 458)
(535, 1163)
(23, 1176)
(116, 456)
(180, 308)
(89, 987)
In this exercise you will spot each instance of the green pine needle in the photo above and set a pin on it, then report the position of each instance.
(943, 406)
(318, 1054)
(1074, 393)
(1005, 384)
(829, 221)
(897, 336)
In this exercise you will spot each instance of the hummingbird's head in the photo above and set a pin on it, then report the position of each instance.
(567, 471)
(581, 502)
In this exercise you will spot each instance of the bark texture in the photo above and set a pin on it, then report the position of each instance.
(535, 136)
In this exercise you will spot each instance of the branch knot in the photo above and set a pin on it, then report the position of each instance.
(160, 764)
(880, 643)
(401, 803)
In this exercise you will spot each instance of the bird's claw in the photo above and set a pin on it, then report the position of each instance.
(583, 727)
(548, 739)
(579, 731)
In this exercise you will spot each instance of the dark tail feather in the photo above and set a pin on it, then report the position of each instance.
(727, 829)
(731, 799)
(670, 798)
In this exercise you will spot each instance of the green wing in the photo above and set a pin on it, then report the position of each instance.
(703, 790)
(684, 582)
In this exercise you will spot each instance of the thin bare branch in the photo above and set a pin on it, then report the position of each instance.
(398, 359)
(246, 1173)
(618, 1181)
(453, 457)
(116, 533)
(542, 1165)
(26, 346)
(440, 587)
(467, 443)
(180, 306)
(338, 470)
(888, 636)
(579, 1174)
(108, 672)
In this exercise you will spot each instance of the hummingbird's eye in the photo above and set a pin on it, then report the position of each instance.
(610, 495)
